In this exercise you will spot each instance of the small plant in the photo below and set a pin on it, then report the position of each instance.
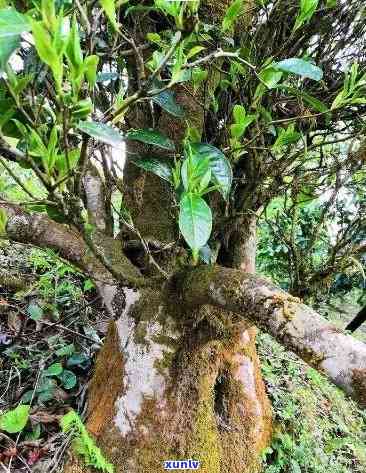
(15, 420)
(83, 444)
(55, 284)
(317, 429)
(55, 374)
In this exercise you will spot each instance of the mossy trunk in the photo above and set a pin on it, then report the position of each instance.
(166, 389)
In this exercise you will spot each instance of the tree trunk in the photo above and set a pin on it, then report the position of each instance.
(168, 384)
(167, 389)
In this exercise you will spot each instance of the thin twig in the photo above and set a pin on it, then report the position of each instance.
(224, 54)
(69, 330)
(84, 16)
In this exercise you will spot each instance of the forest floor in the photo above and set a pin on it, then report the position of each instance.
(51, 327)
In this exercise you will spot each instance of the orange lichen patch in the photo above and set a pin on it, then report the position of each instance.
(107, 383)
(359, 385)
(247, 420)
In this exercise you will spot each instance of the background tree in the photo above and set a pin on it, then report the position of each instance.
(314, 247)
(219, 108)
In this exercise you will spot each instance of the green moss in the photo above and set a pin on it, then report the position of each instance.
(140, 333)
(165, 363)
(205, 444)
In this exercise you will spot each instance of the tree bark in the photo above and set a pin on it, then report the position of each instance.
(166, 389)
(211, 403)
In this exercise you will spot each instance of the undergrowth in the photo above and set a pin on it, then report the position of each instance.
(317, 429)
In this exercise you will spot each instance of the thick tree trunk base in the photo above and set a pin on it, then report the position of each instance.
(176, 394)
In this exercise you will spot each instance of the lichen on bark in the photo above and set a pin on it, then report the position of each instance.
(180, 417)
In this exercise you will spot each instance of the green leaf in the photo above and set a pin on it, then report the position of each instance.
(90, 67)
(193, 169)
(88, 285)
(110, 9)
(35, 312)
(43, 43)
(35, 434)
(66, 350)
(79, 359)
(27, 397)
(222, 174)
(73, 49)
(237, 130)
(300, 67)
(179, 60)
(49, 14)
(166, 100)
(286, 137)
(83, 443)
(232, 14)
(68, 379)
(12, 23)
(3, 221)
(206, 178)
(195, 221)
(172, 8)
(151, 137)
(15, 420)
(46, 384)
(239, 113)
(6, 50)
(307, 10)
(102, 132)
(46, 395)
(54, 370)
(55, 214)
(194, 51)
(61, 165)
(46, 51)
(158, 167)
(315, 103)
(198, 75)
(7, 106)
(154, 38)
(271, 76)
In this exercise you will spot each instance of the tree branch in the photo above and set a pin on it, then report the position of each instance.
(328, 349)
(39, 230)
(95, 197)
